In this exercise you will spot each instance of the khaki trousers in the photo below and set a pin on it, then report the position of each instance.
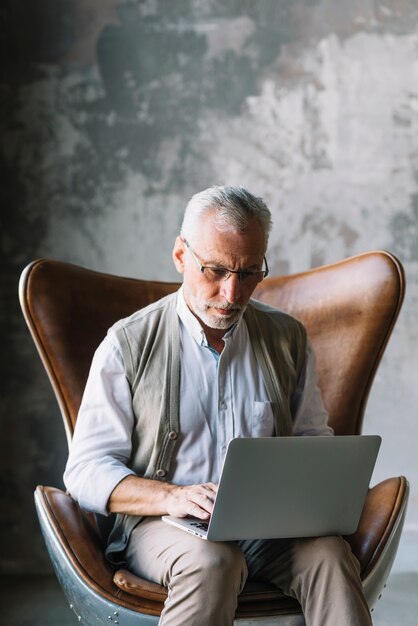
(204, 578)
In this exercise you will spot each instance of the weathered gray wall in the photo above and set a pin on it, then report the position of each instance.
(115, 112)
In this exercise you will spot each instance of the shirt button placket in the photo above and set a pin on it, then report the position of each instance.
(222, 412)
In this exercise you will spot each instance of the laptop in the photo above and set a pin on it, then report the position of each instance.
(288, 487)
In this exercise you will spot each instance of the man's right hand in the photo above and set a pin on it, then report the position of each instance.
(195, 500)
(143, 496)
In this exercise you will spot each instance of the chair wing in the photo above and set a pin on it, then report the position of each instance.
(349, 310)
(68, 310)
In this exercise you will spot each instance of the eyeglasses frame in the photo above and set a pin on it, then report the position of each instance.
(229, 272)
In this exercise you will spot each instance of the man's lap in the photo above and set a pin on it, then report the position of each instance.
(155, 548)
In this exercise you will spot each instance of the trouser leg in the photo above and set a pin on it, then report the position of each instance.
(322, 574)
(203, 578)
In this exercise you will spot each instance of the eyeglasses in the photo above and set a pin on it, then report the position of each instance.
(216, 274)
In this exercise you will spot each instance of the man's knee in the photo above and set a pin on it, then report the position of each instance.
(222, 560)
(332, 554)
(336, 549)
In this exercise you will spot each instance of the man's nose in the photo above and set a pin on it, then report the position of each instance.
(231, 288)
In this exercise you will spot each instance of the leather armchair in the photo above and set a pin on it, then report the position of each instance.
(349, 309)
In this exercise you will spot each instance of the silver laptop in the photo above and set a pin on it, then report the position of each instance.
(281, 487)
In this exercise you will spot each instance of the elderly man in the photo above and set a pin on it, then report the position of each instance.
(168, 388)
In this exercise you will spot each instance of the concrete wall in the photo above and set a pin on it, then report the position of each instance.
(115, 112)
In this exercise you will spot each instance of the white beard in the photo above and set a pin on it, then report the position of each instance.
(214, 321)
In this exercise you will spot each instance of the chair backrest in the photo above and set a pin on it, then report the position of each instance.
(349, 309)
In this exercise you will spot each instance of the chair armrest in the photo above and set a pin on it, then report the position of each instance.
(385, 502)
(76, 532)
(61, 518)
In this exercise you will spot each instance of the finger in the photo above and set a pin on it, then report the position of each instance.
(204, 501)
(211, 486)
(196, 511)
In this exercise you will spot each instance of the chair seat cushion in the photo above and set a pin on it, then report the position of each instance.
(255, 595)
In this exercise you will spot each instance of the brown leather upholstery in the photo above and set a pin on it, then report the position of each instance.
(379, 514)
(69, 310)
(349, 310)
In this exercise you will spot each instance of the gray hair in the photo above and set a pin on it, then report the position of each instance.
(233, 208)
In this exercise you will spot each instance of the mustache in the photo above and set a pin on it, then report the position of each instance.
(226, 306)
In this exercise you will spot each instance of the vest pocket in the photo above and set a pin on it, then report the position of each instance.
(263, 419)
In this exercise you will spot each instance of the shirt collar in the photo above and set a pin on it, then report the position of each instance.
(192, 324)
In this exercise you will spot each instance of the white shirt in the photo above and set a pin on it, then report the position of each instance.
(221, 397)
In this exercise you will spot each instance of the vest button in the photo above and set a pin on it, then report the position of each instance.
(172, 435)
(160, 473)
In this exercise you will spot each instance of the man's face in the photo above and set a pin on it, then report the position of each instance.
(221, 303)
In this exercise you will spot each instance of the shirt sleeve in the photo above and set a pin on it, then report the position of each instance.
(101, 446)
(309, 414)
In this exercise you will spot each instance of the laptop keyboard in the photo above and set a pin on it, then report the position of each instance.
(200, 525)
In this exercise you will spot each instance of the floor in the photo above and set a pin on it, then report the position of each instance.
(39, 601)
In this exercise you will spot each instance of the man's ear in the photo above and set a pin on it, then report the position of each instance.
(178, 255)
